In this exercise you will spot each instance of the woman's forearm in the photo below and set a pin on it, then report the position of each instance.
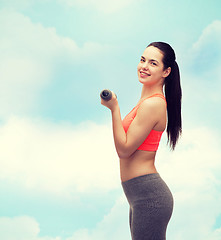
(120, 137)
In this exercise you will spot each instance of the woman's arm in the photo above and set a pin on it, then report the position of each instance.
(148, 115)
(120, 137)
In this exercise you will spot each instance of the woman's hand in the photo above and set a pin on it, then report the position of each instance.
(112, 103)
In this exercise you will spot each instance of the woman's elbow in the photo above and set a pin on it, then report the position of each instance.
(124, 154)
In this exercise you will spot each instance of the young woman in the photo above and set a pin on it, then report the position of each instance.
(137, 138)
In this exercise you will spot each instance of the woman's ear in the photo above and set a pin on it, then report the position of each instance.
(167, 72)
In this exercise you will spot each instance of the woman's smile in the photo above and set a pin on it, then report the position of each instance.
(144, 74)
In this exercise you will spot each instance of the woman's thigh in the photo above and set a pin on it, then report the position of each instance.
(149, 223)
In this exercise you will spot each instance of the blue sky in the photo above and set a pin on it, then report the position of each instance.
(59, 173)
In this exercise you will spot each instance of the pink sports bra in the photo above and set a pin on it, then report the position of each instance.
(152, 141)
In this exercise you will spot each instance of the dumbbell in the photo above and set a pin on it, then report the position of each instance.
(106, 94)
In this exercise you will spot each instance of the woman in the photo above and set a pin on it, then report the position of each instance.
(137, 138)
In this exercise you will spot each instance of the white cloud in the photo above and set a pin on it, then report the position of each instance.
(30, 56)
(27, 54)
(21, 228)
(211, 34)
(201, 78)
(18, 227)
(58, 158)
(108, 6)
(205, 53)
(216, 234)
(115, 225)
(21, 37)
(62, 159)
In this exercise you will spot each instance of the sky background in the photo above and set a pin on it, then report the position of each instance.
(59, 173)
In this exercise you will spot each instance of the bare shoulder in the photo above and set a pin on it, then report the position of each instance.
(153, 105)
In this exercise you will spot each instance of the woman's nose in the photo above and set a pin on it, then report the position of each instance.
(145, 65)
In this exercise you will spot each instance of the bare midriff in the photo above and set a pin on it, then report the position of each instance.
(138, 164)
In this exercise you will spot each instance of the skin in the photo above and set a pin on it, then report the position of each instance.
(151, 114)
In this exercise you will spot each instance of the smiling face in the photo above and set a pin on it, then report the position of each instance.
(150, 69)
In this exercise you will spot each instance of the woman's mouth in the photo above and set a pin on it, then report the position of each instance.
(144, 74)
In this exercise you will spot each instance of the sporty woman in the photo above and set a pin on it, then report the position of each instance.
(137, 139)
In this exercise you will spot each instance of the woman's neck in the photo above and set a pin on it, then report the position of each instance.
(148, 91)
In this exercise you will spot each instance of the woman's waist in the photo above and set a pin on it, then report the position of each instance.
(136, 166)
(128, 174)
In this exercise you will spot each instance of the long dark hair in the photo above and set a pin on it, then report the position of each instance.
(173, 93)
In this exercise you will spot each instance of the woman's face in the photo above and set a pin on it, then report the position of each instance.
(150, 69)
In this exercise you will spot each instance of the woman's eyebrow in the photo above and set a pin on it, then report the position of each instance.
(152, 60)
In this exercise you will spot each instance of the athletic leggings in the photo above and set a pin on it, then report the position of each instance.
(151, 206)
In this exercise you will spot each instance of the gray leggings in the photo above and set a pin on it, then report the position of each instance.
(151, 206)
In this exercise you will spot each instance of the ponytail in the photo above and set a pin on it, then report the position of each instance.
(173, 93)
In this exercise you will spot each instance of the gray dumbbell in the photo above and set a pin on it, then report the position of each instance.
(106, 94)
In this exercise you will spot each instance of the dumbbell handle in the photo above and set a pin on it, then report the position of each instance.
(106, 94)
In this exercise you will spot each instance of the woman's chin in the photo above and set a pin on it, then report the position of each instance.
(143, 80)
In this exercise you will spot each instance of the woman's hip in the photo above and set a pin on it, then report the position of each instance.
(149, 190)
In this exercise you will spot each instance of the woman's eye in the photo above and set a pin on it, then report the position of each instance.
(142, 60)
(153, 63)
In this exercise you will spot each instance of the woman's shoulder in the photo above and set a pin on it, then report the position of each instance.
(153, 106)
(153, 102)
